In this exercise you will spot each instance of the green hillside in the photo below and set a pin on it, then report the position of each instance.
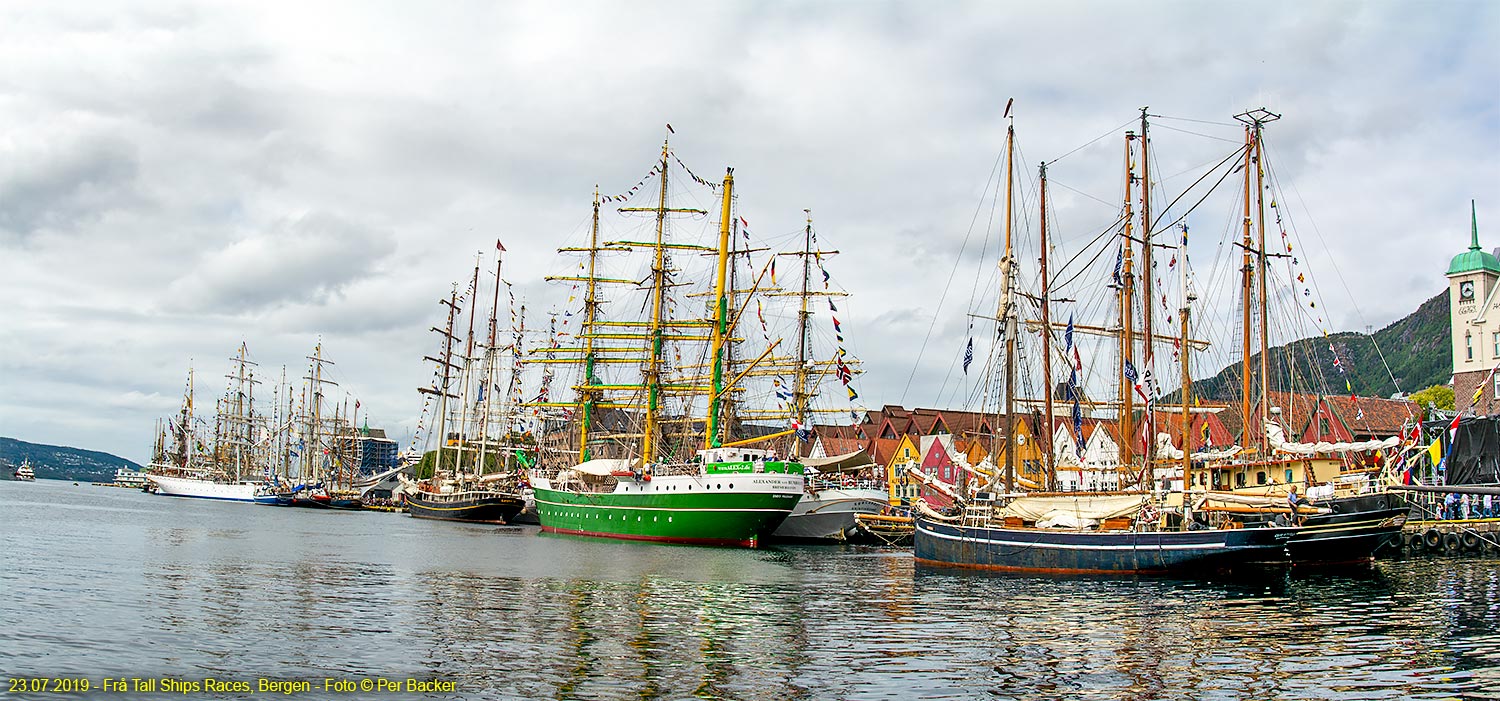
(62, 463)
(1416, 348)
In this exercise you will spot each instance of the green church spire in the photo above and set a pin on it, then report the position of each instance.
(1475, 258)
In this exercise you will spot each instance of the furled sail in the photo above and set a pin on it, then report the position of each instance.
(1166, 451)
(1277, 438)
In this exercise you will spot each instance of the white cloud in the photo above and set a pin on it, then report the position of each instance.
(177, 178)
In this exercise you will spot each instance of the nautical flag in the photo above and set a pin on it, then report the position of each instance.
(499, 245)
(825, 279)
(836, 326)
(773, 271)
(1120, 266)
(1068, 334)
(968, 356)
(1077, 427)
(670, 129)
(1008, 103)
(852, 394)
(1148, 382)
(1130, 373)
(831, 307)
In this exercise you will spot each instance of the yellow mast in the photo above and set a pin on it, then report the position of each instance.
(721, 318)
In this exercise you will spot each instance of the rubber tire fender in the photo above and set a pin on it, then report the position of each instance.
(1432, 539)
(1471, 540)
(1452, 543)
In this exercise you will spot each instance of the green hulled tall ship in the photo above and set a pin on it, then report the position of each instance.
(660, 471)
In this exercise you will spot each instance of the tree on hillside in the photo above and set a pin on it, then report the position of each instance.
(1440, 396)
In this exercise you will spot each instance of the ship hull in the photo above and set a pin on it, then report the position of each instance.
(470, 507)
(1347, 538)
(1182, 553)
(829, 514)
(203, 489)
(716, 509)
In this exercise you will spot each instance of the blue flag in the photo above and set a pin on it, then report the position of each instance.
(968, 356)
(1119, 266)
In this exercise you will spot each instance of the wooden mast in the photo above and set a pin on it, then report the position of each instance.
(1253, 121)
(714, 439)
(1007, 313)
(1263, 265)
(1247, 272)
(445, 364)
(1148, 303)
(1051, 483)
(488, 386)
(1127, 319)
(1187, 379)
(468, 376)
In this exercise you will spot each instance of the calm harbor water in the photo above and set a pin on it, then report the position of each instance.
(102, 582)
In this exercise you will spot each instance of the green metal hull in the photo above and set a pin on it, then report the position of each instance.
(714, 509)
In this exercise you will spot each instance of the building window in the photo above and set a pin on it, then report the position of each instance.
(1496, 336)
(1260, 477)
(1468, 346)
(1289, 476)
(1496, 393)
(1239, 480)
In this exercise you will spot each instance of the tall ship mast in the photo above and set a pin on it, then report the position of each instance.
(215, 469)
(660, 471)
(469, 476)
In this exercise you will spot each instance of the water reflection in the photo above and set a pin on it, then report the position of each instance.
(504, 614)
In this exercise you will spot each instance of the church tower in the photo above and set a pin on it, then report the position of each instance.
(1474, 304)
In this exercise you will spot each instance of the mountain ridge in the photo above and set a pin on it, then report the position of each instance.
(62, 462)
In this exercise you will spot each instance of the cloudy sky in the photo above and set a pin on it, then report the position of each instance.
(176, 178)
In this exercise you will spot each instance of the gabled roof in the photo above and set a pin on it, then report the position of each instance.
(882, 449)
